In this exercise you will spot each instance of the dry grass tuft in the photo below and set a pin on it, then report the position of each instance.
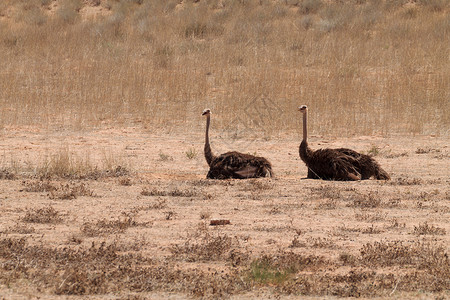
(46, 215)
(7, 174)
(370, 200)
(423, 229)
(173, 193)
(20, 229)
(203, 246)
(65, 164)
(38, 186)
(330, 192)
(159, 204)
(107, 227)
(406, 181)
(424, 255)
(66, 191)
(71, 191)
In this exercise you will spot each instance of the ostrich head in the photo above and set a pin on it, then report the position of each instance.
(303, 108)
(206, 112)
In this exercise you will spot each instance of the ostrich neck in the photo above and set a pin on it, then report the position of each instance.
(208, 153)
(305, 129)
(304, 150)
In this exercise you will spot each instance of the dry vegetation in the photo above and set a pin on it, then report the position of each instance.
(93, 205)
(85, 64)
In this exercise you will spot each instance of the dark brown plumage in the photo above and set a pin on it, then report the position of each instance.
(233, 164)
(337, 164)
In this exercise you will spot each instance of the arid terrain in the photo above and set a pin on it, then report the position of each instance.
(103, 189)
(141, 230)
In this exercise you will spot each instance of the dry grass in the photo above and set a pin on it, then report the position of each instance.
(62, 191)
(153, 66)
(424, 228)
(175, 192)
(209, 247)
(105, 227)
(64, 164)
(158, 63)
(102, 269)
(311, 258)
(43, 215)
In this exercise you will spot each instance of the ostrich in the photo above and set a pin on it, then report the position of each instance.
(337, 164)
(233, 164)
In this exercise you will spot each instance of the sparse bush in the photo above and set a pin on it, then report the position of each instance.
(65, 164)
(264, 272)
(371, 230)
(169, 215)
(7, 174)
(105, 227)
(328, 204)
(371, 200)
(20, 228)
(406, 181)
(318, 242)
(327, 192)
(173, 193)
(205, 246)
(373, 151)
(204, 215)
(191, 153)
(296, 243)
(125, 181)
(42, 215)
(347, 259)
(164, 157)
(63, 191)
(424, 228)
(38, 186)
(71, 191)
(423, 255)
(160, 204)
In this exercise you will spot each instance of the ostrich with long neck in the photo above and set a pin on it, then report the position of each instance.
(233, 164)
(337, 164)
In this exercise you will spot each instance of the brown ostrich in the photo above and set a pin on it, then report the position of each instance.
(337, 164)
(233, 164)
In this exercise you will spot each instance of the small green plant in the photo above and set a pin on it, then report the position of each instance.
(263, 271)
(191, 153)
(373, 151)
(164, 157)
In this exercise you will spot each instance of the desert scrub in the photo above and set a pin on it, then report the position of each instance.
(43, 215)
(425, 228)
(191, 153)
(203, 245)
(175, 192)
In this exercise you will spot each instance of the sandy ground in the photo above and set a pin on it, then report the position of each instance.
(171, 202)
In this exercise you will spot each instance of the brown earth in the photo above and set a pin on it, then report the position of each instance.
(142, 231)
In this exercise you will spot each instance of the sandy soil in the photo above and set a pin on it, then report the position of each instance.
(166, 201)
